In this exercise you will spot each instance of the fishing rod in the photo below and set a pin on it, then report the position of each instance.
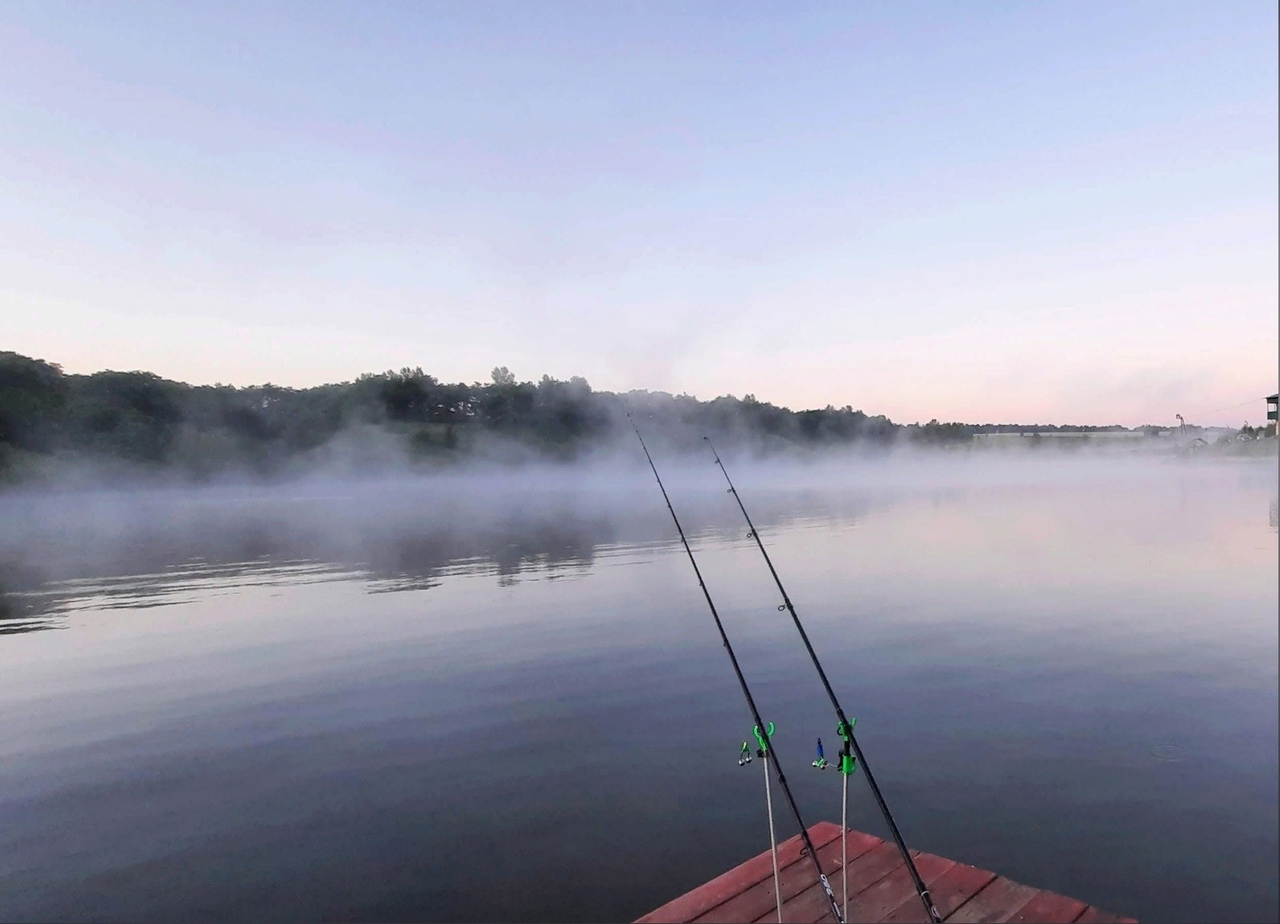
(845, 728)
(762, 730)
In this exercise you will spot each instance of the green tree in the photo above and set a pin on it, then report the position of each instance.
(134, 415)
(33, 400)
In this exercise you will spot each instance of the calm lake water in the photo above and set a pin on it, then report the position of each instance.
(502, 697)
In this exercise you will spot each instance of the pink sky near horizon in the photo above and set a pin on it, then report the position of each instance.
(981, 214)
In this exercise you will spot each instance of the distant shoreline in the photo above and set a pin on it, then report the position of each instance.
(131, 425)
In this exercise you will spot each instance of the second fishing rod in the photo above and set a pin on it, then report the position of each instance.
(767, 751)
(845, 727)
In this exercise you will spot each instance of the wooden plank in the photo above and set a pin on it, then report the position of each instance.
(829, 859)
(1094, 915)
(949, 891)
(881, 885)
(741, 877)
(1050, 907)
(760, 900)
(811, 904)
(930, 867)
(1000, 900)
(883, 896)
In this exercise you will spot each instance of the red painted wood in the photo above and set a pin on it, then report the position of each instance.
(949, 891)
(999, 901)
(880, 898)
(741, 877)
(1094, 915)
(856, 873)
(1050, 907)
(881, 887)
(829, 858)
(812, 904)
(760, 900)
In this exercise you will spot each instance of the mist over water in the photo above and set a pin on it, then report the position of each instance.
(497, 694)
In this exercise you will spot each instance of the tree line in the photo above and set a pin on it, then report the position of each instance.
(141, 419)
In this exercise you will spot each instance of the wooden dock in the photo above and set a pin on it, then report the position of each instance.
(880, 889)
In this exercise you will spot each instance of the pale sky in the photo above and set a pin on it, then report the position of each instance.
(1048, 212)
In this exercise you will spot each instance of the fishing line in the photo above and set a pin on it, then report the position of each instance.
(1231, 407)
(762, 731)
(851, 753)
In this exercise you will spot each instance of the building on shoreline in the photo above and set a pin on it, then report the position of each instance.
(1185, 436)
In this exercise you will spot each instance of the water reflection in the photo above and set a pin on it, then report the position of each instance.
(122, 549)
(19, 612)
(374, 702)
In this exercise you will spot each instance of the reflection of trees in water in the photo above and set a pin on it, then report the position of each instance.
(57, 555)
(19, 612)
(405, 556)
(152, 565)
(24, 607)
(47, 571)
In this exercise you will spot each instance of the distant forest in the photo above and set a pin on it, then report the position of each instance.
(133, 420)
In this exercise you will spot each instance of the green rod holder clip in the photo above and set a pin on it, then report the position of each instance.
(763, 738)
(848, 763)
